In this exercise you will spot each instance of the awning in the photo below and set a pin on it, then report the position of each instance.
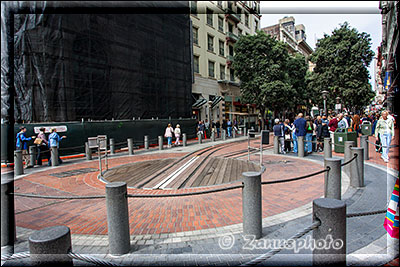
(199, 103)
(216, 101)
(240, 113)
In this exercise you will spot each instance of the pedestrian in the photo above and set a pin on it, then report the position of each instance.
(229, 126)
(279, 130)
(385, 129)
(177, 132)
(378, 147)
(22, 144)
(218, 126)
(289, 127)
(224, 126)
(206, 129)
(342, 121)
(309, 134)
(356, 124)
(54, 141)
(322, 132)
(169, 132)
(300, 124)
(42, 146)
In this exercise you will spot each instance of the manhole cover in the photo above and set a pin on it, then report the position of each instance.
(73, 172)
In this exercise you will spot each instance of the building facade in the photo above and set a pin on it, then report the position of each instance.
(293, 35)
(388, 59)
(216, 27)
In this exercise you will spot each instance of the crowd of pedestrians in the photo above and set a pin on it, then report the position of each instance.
(206, 129)
(314, 130)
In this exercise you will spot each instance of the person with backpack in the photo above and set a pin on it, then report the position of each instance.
(309, 134)
(279, 130)
(22, 144)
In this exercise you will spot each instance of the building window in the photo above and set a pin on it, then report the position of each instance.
(231, 50)
(195, 35)
(230, 5)
(193, 8)
(246, 19)
(219, 3)
(221, 48)
(210, 42)
(221, 24)
(230, 28)
(255, 25)
(209, 17)
(211, 69)
(232, 75)
(196, 64)
(222, 72)
(239, 12)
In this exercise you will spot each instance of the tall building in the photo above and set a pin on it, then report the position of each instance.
(390, 51)
(217, 26)
(293, 35)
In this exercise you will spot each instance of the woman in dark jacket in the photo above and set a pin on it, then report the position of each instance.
(322, 132)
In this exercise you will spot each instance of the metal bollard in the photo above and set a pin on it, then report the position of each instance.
(18, 164)
(333, 178)
(88, 151)
(357, 167)
(130, 146)
(224, 134)
(213, 136)
(347, 156)
(330, 236)
(50, 246)
(112, 146)
(117, 218)
(146, 142)
(364, 144)
(54, 156)
(32, 156)
(252, 217)
(300, 146)
(160, 143)
(276, 144)
(7, 214)
(327, 147)
(184, 139)
(199, 137)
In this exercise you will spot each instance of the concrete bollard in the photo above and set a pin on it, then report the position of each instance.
(146, 142)
(18, 164)
(364, 144)
(327, 147)
(7, 214)
(300, 146)
(199, 138)
(245, 131)
(347, 156)
(117, 218)
(184, 139)
(112, 146)
(276, 144)
(252, 209)
(54, 156)
(160, 143)
(130, 146)
(333, 179)
(50, 246)
(233, 132)
(223, 134)
(32, 156)
(88, 151)
(330, 236)
(357, 167)
(213, 136)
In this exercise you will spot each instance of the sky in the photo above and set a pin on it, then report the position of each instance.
(321, 17)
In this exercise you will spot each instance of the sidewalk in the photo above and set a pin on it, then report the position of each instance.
(286, 210)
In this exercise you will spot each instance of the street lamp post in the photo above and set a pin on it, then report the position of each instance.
(248, 116)
(338, 105)
(324, 96)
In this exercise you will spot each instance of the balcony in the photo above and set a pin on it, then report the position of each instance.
(231, 37)
(231, 15)
(229, 59)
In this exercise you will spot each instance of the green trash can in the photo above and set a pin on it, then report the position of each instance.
(342, 135)
(366, 128)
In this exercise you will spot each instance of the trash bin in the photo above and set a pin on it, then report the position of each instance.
(342, 135)
(265, 137)
(366, 128)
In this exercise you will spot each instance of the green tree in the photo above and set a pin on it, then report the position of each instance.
(297, 71)
(341, 62)
(261, 63)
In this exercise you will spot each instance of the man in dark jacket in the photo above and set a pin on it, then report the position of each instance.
(279, 130)
(300, 124)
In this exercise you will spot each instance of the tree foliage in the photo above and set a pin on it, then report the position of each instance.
(261, 63)
(341, 62)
